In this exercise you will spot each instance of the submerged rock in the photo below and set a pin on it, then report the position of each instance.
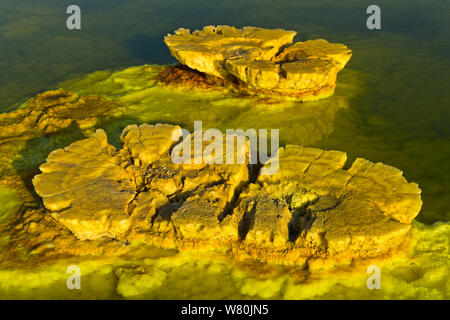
(262, 61)
(45, 122)
(311, 207)
(52, 111)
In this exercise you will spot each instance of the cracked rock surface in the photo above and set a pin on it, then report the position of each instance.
(96, 190)
(264, 61)
(321, 209)
(311, 207)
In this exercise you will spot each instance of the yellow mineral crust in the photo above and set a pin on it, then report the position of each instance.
(364, 211)
(312, 207)
(206, 50)
(96, 191)
(264, 61)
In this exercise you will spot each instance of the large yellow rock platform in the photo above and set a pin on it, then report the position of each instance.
(311, 207)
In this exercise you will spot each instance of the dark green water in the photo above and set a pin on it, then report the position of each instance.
(399, 115)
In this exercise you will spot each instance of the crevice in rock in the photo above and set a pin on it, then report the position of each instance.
(132, 205)
(282, 73)
(253, 173)
(247, 220)
(175, 202)
(302, 219)
(229, 207)
(175, 143)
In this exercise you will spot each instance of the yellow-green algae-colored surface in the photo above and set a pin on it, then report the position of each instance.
(154, 274)
(147, 101)
(420, 272)
(10, 203)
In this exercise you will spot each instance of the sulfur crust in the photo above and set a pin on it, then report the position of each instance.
(264, 62)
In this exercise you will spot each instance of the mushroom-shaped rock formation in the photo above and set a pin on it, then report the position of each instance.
(262, 61)
(312, 207)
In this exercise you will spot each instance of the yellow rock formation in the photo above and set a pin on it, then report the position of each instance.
(207, 50)
(324, 210)
(264, 61)
(311, 207)
(96, 190)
